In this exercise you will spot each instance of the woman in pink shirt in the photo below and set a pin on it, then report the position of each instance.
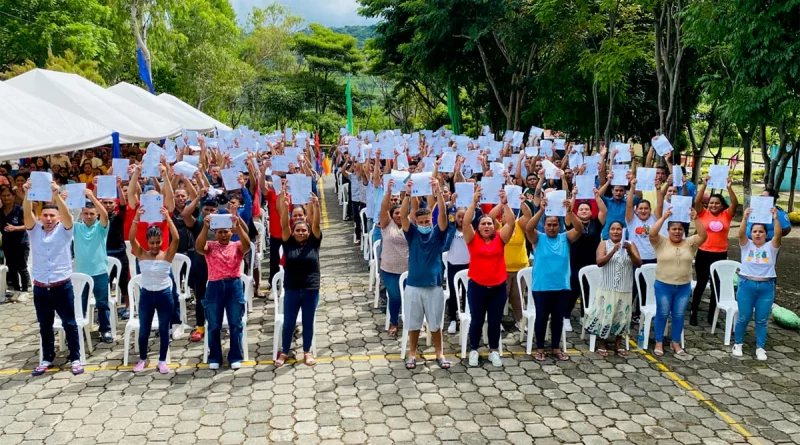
(224, 291)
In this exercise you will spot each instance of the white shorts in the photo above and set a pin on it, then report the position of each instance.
(423, 303)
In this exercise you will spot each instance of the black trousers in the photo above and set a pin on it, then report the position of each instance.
(702, 266)
(18, 277)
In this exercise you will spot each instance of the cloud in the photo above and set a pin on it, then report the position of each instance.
(326, 12)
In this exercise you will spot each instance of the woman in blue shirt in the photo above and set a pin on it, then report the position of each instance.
(551, 290)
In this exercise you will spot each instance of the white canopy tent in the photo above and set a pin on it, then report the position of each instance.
(93, 102)
(33, 127)
(177, 103)
(142, 97)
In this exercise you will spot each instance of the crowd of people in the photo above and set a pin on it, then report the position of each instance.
(221, 199)
(494, 235)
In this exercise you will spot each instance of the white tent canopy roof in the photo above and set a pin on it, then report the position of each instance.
(186, 119)
(33, 127)
(177, 103)
(91, 101)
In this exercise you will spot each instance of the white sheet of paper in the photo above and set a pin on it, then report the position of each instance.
(471, 161)
(75, 198)
(512, 194)
(191, 159)
(559, 143)
(585, 185)
(550, 169)
(421, 185)
(578, 148)
(427, 166)
(555, 203)
(277, 184)
(490, 189)
(465, 191)
(106, 187)
(623, 153)
(718, 176)
(448, 163)
(661, 145)
(239, 162)
(288, 135)
(645, 179)
(536, 131)
(280, 163)
(150, 166)
(120, 167)
(592, 165)
(152, 205)
(300, 188)
(575, 160)
(399, 178)
(620, 174)
(40, 187)
(223, 221)
(680, 208)
(497, 168)
(531, 151)
(230, 179)
(762, 209)
(546, 147)
(677, 176)
(184, 168)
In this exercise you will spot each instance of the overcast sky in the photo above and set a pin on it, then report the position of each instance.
(326, 12)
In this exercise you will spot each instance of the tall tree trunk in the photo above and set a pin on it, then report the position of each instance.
(747, 144)
(596, 116)
(612, 92)
(140, 36)
(795, 160)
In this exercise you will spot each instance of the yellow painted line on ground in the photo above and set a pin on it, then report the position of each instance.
(698, 395)
(322, 204)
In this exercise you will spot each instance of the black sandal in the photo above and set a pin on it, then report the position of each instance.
(411, 363)
(443, 363)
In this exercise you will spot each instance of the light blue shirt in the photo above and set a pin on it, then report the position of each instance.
(90, 248)
(551, 254)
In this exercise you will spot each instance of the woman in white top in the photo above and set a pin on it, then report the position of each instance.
(394, 256)
(156, 292)
(756, 291)
(639, 220)
(457, 260)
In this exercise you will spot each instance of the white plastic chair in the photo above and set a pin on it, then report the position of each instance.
(3, 282)
(131, 259)
(247, 288)
(278, 294)
(524, 281)
(592, 275)
(446, 284)
(375, 271)
(461, 282)
(726, 296)
(262, 246)
(362, 214)
(345, 199)
(80, 281)
(339, 188)
(648, 310)
(113, 296)
(179, 263)
(366, 243)
(132, 326)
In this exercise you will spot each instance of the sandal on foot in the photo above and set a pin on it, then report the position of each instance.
(443, 363)
(309, 359)
(680, 352)
(602, 352)
(658, 352)
(393, 332)
(540, 356)
(622, 352)
(280, 360)
(561, 355)
(411, 363)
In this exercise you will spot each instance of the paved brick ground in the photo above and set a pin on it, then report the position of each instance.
(360, 392)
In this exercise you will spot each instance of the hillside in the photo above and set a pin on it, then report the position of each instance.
(361, 33)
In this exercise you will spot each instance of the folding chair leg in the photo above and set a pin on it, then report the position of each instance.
(592, 342)
(714, 322)
(276, 340)
(730, 319)
(563, 338)
(404, 343)
(463, 334)
(647, 322)
(127, 342)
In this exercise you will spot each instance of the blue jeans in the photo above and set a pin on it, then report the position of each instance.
(100, 290)
(671, 299)
(294, 300)
(224, 297)
(49, 302)
(150, 303)
(486, 305)
(176, 304)
(755, 296)
(392, 283)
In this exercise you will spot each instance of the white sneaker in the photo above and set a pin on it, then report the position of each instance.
(494, 358)
(761, 354)
(737, 350)
(451, 329)
(567, 325)
(236, 365)
(473, 358)
(177, 332)
(213, 366)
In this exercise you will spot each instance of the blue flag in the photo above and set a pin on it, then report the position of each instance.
(144, 73)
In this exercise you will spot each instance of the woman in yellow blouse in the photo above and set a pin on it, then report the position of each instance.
(516, 256)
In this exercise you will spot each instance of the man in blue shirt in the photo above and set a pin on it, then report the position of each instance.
(786, 225)
(424, 297)
(615, 205)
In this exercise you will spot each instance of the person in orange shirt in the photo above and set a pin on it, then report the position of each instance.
(717, 221)
(87, 176)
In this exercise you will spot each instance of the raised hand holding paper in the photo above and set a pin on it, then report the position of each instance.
(585, 185)
(546, 148)
(75, 198)
(677, 176)
(120, 167)
(448, 163)
(550, 169)
(512, 194)
(645, 179)
(106, 187)
(620, 174)
(230, 179)
(184, 168)
(221, 221)
(300, 188)
(421, 185)
(661, 145)
(277, 184)
(490, 189)
(623, 152)
(718, 176)
(280, 163)
(592, 165)
(681, 206)
(555, 203)
(762, 209)
(41, 187)
(152, 208)
(464, 193)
